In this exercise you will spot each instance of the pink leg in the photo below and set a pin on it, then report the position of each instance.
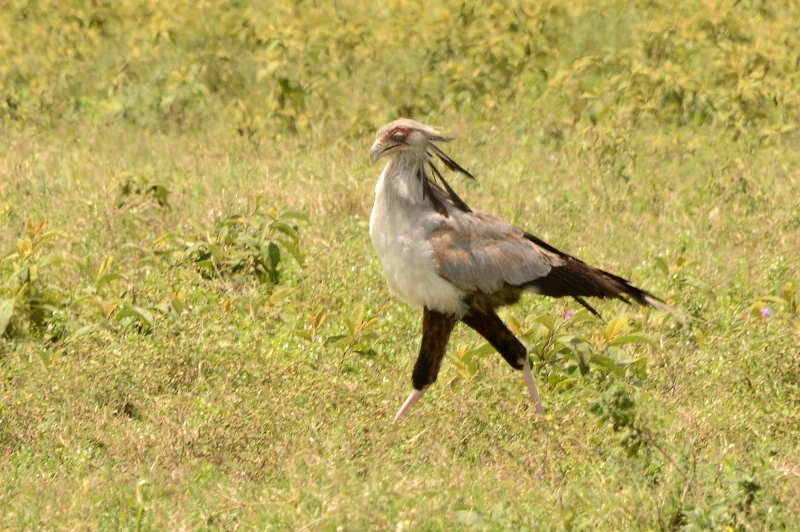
(415, 396)
(526, 373)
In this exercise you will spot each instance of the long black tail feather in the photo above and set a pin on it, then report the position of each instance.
(576, 279)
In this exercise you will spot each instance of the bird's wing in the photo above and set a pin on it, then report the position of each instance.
(476, 251)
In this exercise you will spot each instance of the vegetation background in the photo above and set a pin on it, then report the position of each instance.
(195, 333)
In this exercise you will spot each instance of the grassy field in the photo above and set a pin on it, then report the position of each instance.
(195, 333)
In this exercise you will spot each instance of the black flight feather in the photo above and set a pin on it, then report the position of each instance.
(428, 192)
(457, 201)
(587, 306)
(448, 162)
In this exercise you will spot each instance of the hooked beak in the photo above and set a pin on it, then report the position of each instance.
(378, 150)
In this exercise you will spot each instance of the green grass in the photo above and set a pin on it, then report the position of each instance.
(143, 387)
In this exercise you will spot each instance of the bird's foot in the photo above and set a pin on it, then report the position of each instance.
(528, 376)
(415, 396)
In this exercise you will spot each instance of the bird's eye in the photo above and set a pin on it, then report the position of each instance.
(399, 137)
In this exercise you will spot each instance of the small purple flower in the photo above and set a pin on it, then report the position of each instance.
(141, 243)
(569, 314)
(765, 312)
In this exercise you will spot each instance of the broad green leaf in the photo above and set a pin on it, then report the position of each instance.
(105, 265)
(563, 384)
(634, 338)
(774, 299)
(167, 237)
(338, 340)
(356, 316)
(44, 358)
(484, 350)
(298, 215)
(41, 240)
(249, 241)
(191, 247)
(87, 329)
(177, 304)
(139, 313)
(52, 234)
(235, 219)
(163, 307)
(537, 333)
(662, 265)
(584, 355)
(274, 256)
(6, 312)
(207, 264)
(609, 364)
(107, 278)
(472, 368)
(351, 326)
(20, 273)
(580, 349)
(240, 258)
(583, 315)
(614, 327)
(292, 249)
(24, 246)
(618, 355)
(10, 259)
(215, 251)
(318, 320)
(564, 339)
(287, 229)
(280, 294)
(545, 320)
(513, 323)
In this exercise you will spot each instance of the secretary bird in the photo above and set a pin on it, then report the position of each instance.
(460, 264)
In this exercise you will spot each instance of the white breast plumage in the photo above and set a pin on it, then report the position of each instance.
(399, 227)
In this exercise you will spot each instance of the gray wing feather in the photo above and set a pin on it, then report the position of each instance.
(476, 251)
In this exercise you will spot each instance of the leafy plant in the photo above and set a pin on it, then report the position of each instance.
(26, 295)
(134, 190)
(466, 360)
(254, 244)
(567, 357)
(564, 355)
(358, 337)
(786, 299)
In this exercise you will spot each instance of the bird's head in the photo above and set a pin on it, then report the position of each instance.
(404, 136)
